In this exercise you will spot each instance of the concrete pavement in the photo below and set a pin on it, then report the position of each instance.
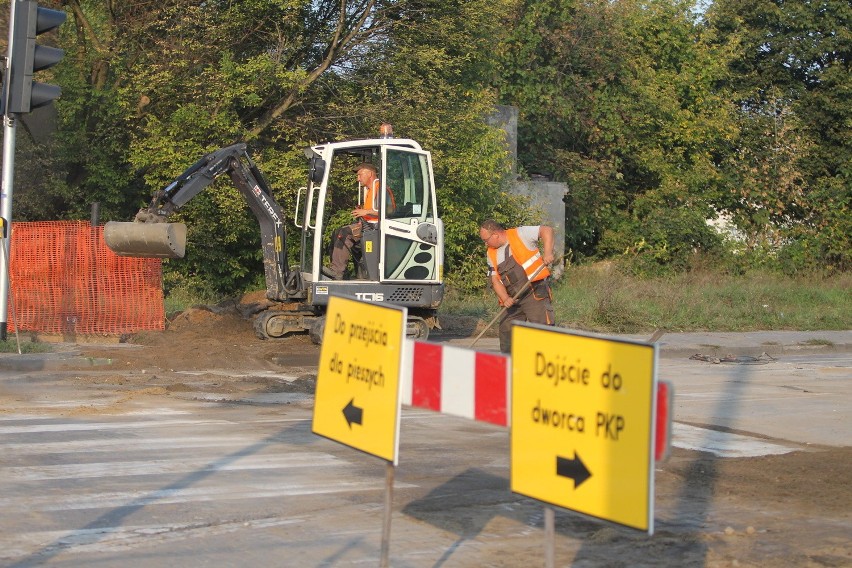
(719, 344)
(672, 345)
(93, 476)
(752, 383)
(752, 343)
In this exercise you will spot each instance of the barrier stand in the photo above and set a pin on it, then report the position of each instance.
(3, 230)
(390, 469)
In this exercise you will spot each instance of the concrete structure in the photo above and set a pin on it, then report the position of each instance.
(545, 196)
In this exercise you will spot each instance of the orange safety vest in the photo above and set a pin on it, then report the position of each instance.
(529, 260)
(371, 201)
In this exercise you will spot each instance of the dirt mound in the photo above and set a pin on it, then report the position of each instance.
(222, 336)
(217, 336)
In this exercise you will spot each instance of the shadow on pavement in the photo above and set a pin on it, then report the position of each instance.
(116, 515)
(677, 540)
(461, 505)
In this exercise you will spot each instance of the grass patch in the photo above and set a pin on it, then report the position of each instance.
(601, 298)
(184, 296)
(818, 341)
(11, 346)
(477, 304)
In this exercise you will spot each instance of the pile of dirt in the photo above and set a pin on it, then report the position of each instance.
(202, 337)
(222, 336)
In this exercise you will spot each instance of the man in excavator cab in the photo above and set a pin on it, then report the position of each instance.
(346, 240)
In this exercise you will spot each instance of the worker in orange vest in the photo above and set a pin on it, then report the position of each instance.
(514, 260)
(366, 216)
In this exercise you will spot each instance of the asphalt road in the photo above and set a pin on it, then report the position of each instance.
(90, 477)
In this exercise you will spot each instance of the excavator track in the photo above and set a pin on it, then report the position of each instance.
(416, 328)
(273, 324)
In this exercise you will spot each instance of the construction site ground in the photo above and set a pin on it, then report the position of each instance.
(762, 507)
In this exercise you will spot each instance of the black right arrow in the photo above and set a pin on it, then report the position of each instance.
(575, 469)
(353, 413)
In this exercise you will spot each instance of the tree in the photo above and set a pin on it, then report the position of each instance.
(792, 83)
(426, 78)
(618, 99)
(150, 87)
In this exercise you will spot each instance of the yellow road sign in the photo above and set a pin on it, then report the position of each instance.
(357, 400)
(582, 423)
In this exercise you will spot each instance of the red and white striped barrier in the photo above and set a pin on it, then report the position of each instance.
(476, 385)
(457, 381)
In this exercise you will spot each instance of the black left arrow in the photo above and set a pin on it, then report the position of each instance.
(353, 413)
(574, 469)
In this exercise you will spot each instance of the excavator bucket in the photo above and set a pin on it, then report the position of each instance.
(157, 240)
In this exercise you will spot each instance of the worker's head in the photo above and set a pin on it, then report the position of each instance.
(492, 233)
(367, 172)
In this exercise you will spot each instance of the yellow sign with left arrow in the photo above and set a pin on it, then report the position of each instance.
(357, 400)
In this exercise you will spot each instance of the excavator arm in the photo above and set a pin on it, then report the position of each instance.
(151, 235)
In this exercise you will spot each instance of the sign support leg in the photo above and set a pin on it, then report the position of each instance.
(388, 510)
(549, 537)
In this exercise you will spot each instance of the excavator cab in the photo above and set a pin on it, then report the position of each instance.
(400, 257)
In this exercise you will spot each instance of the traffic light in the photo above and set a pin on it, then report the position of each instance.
(28, 57)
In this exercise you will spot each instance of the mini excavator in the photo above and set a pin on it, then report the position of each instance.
(399, 260)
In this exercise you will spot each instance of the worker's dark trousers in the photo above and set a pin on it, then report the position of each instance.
(342, 242)
(536, 307)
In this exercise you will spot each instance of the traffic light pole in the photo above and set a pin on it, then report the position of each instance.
(9, 133)
(6, 213)
(22, 94)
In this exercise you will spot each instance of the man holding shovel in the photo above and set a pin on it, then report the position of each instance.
(519, 274)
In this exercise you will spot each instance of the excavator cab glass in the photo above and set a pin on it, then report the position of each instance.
(400, 251)
(410, 231)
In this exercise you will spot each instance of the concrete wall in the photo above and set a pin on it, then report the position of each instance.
(506, 118)
(544, 195)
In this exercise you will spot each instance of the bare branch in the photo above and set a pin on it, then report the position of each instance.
(339, 44)
(83, 22)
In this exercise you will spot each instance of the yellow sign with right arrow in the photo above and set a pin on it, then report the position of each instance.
(583, 423)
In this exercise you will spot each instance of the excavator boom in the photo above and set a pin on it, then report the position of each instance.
(150, 235)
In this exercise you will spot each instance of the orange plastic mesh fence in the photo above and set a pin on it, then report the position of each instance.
(64, 280)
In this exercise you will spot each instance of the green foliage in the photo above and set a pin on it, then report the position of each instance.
(791, 83)
(673, 236)
(211, 74)
(655, 121)
(619, 100)
(426, 81)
